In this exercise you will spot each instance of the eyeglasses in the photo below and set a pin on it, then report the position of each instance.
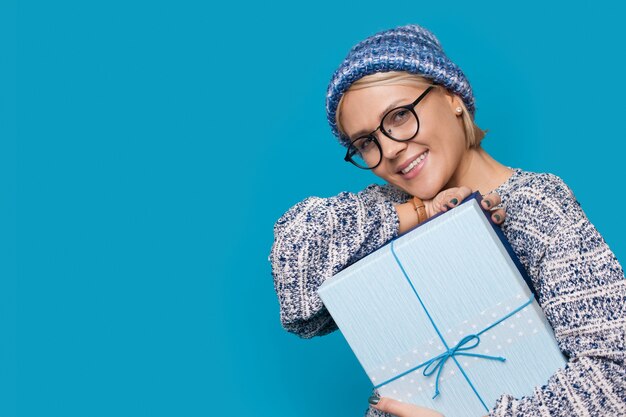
(400, 124)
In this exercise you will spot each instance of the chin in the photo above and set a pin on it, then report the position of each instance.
(417, 192)
(424, 192)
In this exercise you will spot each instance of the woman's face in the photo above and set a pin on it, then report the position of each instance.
(440, 140)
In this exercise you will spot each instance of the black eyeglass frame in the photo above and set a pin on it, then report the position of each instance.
(410, 107)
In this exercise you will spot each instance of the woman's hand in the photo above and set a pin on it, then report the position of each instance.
(401, 409)
(442, 202)
(453, 196)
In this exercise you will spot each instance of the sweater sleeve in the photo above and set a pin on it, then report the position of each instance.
(582, 291)
(317, 238)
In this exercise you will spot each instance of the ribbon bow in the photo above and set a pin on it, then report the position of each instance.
(440, 360)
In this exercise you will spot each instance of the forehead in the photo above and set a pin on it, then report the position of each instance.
(362, 109)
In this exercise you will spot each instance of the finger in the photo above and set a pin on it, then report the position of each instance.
(464, 192)
(491, 200)
(439, 205)
(457, 195)
(400, 409)
(498, 216)
(391, 406)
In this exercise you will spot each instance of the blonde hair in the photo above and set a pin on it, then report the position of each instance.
(473, 134)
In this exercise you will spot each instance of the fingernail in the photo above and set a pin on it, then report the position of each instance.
(487, 203)
(497, 216)
(374, 399)
(454, 201)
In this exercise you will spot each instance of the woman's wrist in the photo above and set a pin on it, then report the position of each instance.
(407, 217)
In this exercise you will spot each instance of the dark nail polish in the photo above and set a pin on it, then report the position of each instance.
(487, 203)
(497, 216)
(374, 399)
(454, 201)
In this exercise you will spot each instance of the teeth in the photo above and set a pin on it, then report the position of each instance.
(415, 163)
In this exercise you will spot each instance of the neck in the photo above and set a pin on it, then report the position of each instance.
(479, 171)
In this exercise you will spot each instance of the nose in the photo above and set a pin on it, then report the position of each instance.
(391, 148)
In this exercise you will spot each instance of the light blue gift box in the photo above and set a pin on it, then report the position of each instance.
(443, 316)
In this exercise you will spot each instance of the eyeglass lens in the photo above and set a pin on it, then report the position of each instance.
(399, 124)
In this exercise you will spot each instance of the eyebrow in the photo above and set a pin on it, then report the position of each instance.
(380, 116)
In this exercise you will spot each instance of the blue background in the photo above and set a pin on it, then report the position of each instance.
(147, 148)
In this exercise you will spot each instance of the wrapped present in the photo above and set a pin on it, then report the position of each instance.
(444, 316)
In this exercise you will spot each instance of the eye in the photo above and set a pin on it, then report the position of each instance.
(397, 118)
(364, 144)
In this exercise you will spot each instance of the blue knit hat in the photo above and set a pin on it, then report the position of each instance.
(410, 48)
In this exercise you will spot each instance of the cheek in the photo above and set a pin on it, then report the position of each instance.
(445, 134)
(437, 124)
(381, 172)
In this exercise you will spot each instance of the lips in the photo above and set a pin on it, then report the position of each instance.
(409, 162)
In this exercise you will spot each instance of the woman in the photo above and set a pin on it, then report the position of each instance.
(405, 111)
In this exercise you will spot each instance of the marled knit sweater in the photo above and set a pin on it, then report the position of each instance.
(579, 281)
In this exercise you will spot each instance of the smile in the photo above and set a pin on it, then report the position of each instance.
(415, 163)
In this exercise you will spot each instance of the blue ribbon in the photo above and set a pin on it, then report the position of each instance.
(440, 360)
(437, 363)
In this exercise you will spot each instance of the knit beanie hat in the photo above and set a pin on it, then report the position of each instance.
(410, 48)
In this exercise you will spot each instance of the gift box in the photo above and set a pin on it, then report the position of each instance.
(445, 316)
